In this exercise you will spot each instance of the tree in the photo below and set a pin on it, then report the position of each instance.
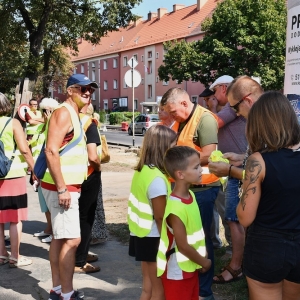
(243, 37)
(60, 23)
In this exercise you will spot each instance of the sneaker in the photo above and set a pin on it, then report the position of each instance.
(47, 239)
(75, 296)
(53, 295)
(7, 237)
(7, 244)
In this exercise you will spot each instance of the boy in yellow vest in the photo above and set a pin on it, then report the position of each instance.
(182, 249)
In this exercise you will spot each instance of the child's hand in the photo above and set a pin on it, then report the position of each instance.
(205, 265)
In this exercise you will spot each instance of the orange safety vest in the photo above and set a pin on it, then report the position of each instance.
(186, 139)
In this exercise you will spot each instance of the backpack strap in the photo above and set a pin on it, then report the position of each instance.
(15, 146)
(5, 126)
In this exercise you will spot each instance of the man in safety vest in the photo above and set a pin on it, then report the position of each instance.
(62, 181)
(198, 128)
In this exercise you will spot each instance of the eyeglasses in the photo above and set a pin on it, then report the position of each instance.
(84, 89)
(235, 107)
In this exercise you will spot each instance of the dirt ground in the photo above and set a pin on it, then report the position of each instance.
(115, 193)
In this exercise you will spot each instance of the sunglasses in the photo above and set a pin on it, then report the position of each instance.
(84, 89)
(235, 107)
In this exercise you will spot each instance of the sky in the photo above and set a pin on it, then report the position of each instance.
(152, 5)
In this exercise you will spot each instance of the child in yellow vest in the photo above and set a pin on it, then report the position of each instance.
(182, 249)
(146, 206)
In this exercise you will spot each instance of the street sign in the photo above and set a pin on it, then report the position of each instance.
(132, 63)
(137, 78)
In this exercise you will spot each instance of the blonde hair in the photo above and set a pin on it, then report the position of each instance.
(90, 110)
(157, 141)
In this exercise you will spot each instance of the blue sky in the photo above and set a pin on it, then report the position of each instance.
(153, 5)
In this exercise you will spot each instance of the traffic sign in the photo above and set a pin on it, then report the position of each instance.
(132, 63)
(135, 75)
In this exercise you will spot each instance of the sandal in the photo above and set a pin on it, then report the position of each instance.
(4, 259)
(21, 262)
(91, 258)
(86, 269)
(236, 275)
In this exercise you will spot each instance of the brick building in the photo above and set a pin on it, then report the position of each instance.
(106, 63)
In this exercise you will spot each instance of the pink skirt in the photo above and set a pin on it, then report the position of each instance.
(13, 200)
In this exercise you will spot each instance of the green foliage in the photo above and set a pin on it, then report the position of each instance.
(102, 114)
(118, 117)
(243, 37)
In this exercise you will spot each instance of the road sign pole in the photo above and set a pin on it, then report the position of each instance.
(133, 142)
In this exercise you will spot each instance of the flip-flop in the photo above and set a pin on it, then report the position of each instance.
(41, 234)
(5, 260)
(21, 262)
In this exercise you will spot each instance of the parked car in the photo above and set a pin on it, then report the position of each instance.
(143, 122)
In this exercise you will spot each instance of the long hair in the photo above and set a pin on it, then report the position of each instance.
(5, 106)
(272, 124)
(157, 141)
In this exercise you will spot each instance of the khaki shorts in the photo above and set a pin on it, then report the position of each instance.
(65, 223)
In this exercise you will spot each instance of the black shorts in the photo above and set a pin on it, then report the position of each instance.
(271, 256)
(143, 249)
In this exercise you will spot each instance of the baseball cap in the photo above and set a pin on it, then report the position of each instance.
(206, 93)
(221, 80)
(81, 79)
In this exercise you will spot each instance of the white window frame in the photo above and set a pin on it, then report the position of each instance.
(105, 66)
(165, 82)
(142, 57)
(105, 85)
(125, 61)
(157, 55)
(125, 86)
(115, 84)
(82, 68)
(105, 104)
(115, 63)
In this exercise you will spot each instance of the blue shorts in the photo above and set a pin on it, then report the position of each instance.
(271, 256)
(231, 199)
(43, 205)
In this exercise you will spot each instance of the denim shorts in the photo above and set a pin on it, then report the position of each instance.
(231, 199)
(271, 256)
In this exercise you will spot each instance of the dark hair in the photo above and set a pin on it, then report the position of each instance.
(33, 99)
(272, 123)
(5, 105)
(157, 141)
(176, 158)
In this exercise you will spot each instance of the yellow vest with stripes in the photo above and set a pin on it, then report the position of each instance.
(19, 165)
(140, 213)
(31, 129)
(189, 214)
(37, 141)
(74, 161)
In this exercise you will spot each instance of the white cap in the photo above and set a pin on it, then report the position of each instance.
(221, 80)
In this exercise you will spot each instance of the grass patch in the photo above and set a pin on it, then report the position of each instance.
(230, 291)
(120, 231)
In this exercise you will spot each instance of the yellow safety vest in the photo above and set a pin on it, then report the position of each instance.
(19, 165)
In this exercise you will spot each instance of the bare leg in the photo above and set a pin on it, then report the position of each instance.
(3, 251)
(291, 290)
(48, 228)
(15, 231)
(67, 263)
(157, 287)
(146, 288)
(265, 291)
(54, 253)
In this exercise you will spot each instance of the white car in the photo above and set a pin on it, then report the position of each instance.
(143, 122)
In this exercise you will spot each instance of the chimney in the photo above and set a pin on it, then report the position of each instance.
(161, 12)
(200, 4)
(151, 15)
(178, 6)
(138, 21)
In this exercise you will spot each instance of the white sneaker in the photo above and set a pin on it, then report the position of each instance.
(47, 239)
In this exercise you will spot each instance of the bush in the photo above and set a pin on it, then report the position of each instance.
(119, 117)
(102, 114)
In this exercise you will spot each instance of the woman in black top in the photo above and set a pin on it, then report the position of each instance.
(270, 201)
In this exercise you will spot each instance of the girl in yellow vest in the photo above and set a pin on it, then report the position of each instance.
(182, 244)
(149, 191)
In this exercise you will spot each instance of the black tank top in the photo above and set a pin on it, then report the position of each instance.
(279, 206)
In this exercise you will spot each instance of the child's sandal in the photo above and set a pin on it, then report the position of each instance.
(21, 262)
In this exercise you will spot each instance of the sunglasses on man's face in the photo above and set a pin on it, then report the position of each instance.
(84, 89)
(235, 107)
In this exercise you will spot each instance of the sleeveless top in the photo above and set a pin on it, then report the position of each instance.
(279, 206)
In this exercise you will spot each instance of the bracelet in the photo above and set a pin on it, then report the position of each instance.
(229, 172)
(62, 192)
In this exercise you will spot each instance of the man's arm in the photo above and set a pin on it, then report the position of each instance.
(92, 141)
(181, 241)
(221, 169)
(59, 125)
(36, 121)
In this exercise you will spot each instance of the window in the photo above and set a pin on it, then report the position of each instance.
(105, 104)
(74, 71)
(125, 61)
(157, 79)
(157, 55)
(195, 99)
(115, 63)
(149, 54)
(105, 86)
(82, 69)
(59, 89)
(142, 82)
(165, 82)
(94, 96)
(93, 75)
(105, 65)
(93, 65)
(149, 91)
(115, 84)
(149, 68)
(125, 86)
(135, 104)
(135, 57)
(142, 58)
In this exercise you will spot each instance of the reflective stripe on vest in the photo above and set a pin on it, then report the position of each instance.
(32, 129)
(37, 142)
(19, 165)
(140, 213)
(186, 139)
(190, 216)
(74, 161)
